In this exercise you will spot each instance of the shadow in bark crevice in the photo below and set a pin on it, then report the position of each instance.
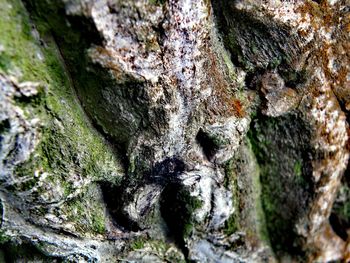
(177, 207)
(161, 175)
(340, 215)
(207, 143)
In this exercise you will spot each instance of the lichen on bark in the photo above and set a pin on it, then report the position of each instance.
(175, 130)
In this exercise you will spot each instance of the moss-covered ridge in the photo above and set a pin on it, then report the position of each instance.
(71, 153)
(115, 101)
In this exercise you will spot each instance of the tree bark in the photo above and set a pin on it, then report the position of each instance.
(174, 130)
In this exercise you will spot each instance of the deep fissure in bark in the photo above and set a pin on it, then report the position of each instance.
(207, 143)
(177, 206)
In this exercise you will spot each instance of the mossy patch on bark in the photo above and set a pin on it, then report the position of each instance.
(281, 146)
(69, 146)
(35, 57)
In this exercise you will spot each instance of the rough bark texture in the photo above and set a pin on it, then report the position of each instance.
(174, 131)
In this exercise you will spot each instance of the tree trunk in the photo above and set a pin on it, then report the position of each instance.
(174, 130)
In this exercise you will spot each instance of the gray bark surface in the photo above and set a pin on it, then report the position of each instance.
(174, 131)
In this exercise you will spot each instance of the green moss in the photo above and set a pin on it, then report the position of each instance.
(177, 209)
(5, 62)
(275, 62)
(192, 205)
(139, 243)
(80, 34)
(341, 206)
(26, 252)
(86, 214)
(98, 224)
(157, 2)
(344, 211)
(298, 172)
(258, 147)
(269, 201)
(225, 57)
(27, 168)
(19, 52)
(68, 140)
(68, 188)
(281, 146)
(230, 182)
(261, 220)
(3, 237)
(164, 251)
(297, 169)
(231, 225)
